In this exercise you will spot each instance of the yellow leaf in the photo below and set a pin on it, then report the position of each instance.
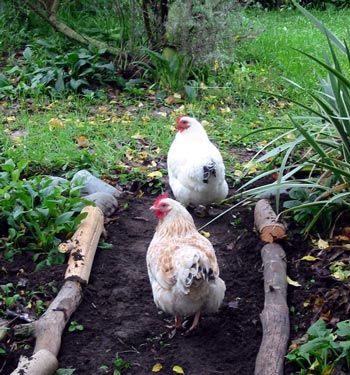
(155, 174)
(292, 282)
(205, 234)
(306, 304)
(55, 123)
(309, 258)
(82, 141)
(178, 370)
(138, 136)
(11, 119)
(216, 65)
(339, 275)
(315, 365)
(322, 245)
(157, 367)
(347, 246)
(238, 173)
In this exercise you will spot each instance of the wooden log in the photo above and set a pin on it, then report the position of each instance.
(82, 246)
(275, 315)
(270, 230)
(42, 362)
(48, 331)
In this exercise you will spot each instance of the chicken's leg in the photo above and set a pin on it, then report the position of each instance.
(194, 324)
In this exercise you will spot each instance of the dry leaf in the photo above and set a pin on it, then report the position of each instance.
(342, 238)
(55, 123)
(10, 119)
(322, 245)
(82, 141)
(178, 370)
(157, 367)
(292, 282)
(309, 258)
(205, 234)
(172, 99)
(158, 174)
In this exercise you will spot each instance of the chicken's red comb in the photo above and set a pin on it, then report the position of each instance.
(180, 118)
(161, 197)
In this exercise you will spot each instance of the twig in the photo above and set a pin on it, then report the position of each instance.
(243, 203)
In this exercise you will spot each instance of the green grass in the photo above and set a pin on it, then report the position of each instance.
(129, 135)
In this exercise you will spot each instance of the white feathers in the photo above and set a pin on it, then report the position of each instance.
(195, 166)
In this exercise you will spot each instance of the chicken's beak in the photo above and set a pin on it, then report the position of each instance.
(152, 208)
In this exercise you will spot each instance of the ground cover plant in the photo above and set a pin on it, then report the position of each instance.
(122, 134)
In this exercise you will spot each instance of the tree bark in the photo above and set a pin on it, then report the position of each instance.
(270, 230)
(275, 315)
(83, 244)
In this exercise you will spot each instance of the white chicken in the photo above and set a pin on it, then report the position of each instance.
(182, 265)
(195, 166)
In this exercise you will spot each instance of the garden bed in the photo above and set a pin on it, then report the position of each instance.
(121, 321)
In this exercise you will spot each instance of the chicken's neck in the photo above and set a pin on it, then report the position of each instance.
(175, 226)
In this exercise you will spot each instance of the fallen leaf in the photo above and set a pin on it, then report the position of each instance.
(342, 238)
(55, 123)
(157, 367)
(205, 234)
(178, 370)
(322, 245)
(11, 119)
(82, 141)
(309, 258)
(158, 174)
(292, 282)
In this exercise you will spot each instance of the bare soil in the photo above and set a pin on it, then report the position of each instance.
(120, 319)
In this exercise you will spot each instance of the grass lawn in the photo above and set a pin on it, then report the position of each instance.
(128, 134)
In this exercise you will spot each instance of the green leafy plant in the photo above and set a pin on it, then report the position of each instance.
(314, 152)
(119, 364)
(75, 326)
(170, 72)
(8, 296)
(324, 349)
(42, 70)
(36, 213)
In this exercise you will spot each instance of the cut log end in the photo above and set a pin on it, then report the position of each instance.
(273, 233)
(265, 220)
